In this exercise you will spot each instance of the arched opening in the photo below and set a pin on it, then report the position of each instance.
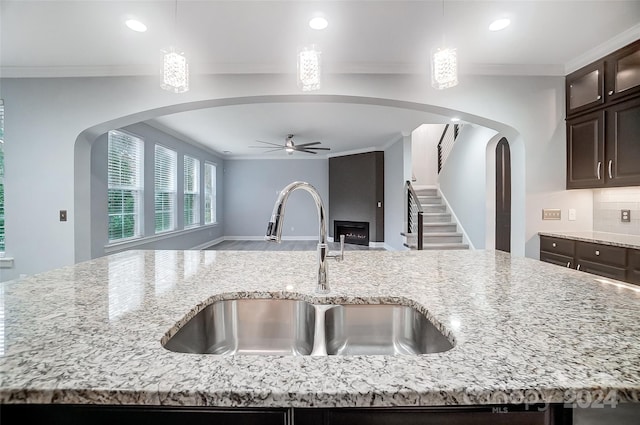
(82, 170)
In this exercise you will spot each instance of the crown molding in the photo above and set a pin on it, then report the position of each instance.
(602, 50)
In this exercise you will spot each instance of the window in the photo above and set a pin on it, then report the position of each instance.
(191, 191)
(209, 193)
(166, 161)
(125, 182)
(1, 176)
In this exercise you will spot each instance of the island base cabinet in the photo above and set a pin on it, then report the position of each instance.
(482, 415)
(60, 414)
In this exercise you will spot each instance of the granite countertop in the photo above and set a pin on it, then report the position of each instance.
(613, 239)
(524, 331)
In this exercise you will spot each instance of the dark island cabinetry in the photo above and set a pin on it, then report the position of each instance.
(603, 122)
(59, 414)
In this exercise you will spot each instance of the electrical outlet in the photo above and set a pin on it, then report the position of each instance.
(625, 216)
(572, 214)
(551, 214)
(63, 215)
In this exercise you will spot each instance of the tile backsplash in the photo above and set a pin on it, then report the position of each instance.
(607, 204)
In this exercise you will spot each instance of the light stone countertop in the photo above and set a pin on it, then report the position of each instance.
(605, 238)
(524, 331)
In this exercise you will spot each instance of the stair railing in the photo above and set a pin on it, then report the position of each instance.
(415, 219)
(449, 136)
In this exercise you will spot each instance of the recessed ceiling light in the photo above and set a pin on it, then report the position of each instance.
(318, 23)
(135, 25)
(499, 24)
(455, 119)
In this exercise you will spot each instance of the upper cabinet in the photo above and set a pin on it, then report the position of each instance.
(603, 122)
(611, 79)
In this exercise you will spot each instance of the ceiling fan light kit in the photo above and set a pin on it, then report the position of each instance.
(290, 147)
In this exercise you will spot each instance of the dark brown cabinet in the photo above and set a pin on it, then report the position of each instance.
(623, 144)
(603, 122)
(614, 262)
(557, 251)
(585, 151)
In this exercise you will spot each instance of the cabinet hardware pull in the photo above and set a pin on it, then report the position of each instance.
(599, 97)
(597, 252)
(610, 164)
(599, 165)
(578, 268)
(569, 264)
(553, 244)
(610, 92)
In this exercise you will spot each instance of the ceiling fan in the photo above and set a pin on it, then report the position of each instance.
(290, 147)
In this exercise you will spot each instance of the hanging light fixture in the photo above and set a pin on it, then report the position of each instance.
(444, 64)
(309, 68)
(175, 68)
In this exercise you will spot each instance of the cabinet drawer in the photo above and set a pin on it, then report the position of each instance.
(602, 254)
(633, 272)
(618, 273)
(557, 245)
(560, 260)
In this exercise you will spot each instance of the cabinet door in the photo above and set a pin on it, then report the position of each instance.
(623, 72)
(584, 88)
(585, 151)
(623, 144)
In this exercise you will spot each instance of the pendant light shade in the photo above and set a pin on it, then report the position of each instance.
(175, 68)
(175, 72)
(309, 68)
(444, 68)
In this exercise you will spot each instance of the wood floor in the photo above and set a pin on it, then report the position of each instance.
(282, 246)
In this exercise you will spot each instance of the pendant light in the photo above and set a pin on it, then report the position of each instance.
(175, 68)
(444, 64)
(309, 68)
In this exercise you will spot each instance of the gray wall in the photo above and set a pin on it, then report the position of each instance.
(463, 181)
(394, 197)
(252, 186)
(178, 240)
(356, 185)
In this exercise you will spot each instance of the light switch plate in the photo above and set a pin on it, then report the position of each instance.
(572, 214)
(625, 216)
(551, 214)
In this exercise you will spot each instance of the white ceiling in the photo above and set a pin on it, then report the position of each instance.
(80, 38)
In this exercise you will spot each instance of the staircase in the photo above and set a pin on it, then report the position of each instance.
(438, 229)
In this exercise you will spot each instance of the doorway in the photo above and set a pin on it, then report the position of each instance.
(503, 196)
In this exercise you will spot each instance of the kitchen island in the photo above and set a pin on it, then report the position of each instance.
(524, 332)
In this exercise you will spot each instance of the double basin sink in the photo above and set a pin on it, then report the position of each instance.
(293, 327)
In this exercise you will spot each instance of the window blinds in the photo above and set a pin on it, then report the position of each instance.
(191, 191)
(209, 193)
(125, 160)
(166, 161)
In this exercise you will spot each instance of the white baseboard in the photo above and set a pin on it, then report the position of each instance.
(261, 238)
(465, 237)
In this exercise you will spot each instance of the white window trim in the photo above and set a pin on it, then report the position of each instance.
(140, 213)
(215, 165)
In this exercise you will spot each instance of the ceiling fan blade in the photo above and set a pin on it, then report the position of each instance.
(308, 144)
(269, 143)
(306, 151)
(267, 147)
(272, 150)
(320, 149)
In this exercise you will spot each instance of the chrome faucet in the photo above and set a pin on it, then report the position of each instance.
(274, 230)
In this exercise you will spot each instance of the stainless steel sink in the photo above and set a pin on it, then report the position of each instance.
(381, 329)
(292, 327)
(248, 326)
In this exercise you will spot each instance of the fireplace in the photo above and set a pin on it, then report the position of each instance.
(355, 232)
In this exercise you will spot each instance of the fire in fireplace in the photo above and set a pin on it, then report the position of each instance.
(355, 232)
